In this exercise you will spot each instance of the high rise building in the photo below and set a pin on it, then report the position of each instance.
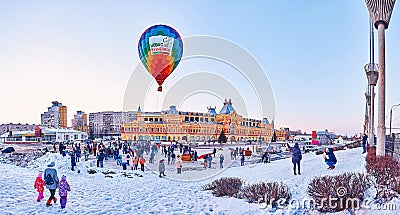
(56, 116)
(63, 116)
(108, 123)
(79, 122)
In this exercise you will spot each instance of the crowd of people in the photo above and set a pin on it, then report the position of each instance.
(133, 155)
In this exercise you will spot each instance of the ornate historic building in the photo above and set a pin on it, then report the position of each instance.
(174, 125)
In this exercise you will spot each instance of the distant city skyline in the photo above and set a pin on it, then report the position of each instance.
(83, 53)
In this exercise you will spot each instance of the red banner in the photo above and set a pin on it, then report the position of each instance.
(38, 131)
(314, 134)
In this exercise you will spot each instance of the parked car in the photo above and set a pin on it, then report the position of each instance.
(274, 149)
(310, 148)
(8, 150)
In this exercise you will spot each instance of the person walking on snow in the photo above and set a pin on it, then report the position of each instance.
(161, 168)
(152, 154)
(205, 161)
(135, 163)
(100, 159)
(296, 157)
(209, 158)
(173, 158)
(73, 161)
(63, 191)
(266, 157)
(51, 180)
(242, 160)
(142, 161)
(179, 165)
(39, 186)
(221, 161)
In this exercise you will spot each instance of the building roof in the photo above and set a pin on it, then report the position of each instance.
(172, 110)
(227, 108)
(265, 121)
(211, 111)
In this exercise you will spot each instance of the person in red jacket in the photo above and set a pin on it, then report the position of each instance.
(39, 186)
(142, 161)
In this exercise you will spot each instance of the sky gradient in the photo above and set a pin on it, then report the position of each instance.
(82, 54)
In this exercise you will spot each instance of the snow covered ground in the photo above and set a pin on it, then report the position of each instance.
(174, 194)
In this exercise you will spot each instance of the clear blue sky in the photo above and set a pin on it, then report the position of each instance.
(82, 53)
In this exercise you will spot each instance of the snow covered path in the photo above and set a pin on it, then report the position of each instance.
(95, 194)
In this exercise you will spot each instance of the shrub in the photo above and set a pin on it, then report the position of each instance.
(371, 155)
(384, 194)
(396, 187)
(384, 169)
(340, 192)
(225, 187)
(269, 193)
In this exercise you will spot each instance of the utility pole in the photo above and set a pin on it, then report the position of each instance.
(380, 12)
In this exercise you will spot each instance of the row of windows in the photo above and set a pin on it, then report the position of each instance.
(151, 119)
(198, 119)
(191, 130)
(191, 138)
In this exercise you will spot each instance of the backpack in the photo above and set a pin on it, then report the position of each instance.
(49, 180)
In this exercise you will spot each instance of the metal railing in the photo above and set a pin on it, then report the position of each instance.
(392, 148)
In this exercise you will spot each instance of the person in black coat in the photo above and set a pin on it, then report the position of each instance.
(100, 159)
(60, 148)
(265, 157)
(73, 161)
(296, 157)
(364, 143)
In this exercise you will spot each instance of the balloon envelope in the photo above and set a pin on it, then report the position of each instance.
(160, 50)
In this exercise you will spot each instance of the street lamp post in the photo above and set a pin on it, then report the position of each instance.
(380, 12)
(391, 110)
(367, 111)
(371, 70)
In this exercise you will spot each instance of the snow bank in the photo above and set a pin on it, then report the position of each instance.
(62, 164)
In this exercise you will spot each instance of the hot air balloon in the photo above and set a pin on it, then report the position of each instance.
(160, 50)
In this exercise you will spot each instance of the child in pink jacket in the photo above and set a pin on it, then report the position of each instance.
(63, 189)
(39, 186)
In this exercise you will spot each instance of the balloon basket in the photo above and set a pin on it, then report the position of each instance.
(159, 89)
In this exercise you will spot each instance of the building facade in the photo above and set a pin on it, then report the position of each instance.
(46, 135)
(55, 117)
(282, 134)
(174, 125)
(15, 127)
(108, 123)
(80, 122)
